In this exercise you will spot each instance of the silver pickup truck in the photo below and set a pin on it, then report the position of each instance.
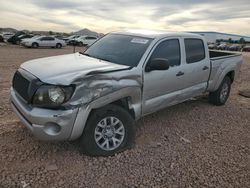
(97, 95)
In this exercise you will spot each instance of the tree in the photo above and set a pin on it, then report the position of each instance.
(230, 40)
(51, 33)
(242, 40)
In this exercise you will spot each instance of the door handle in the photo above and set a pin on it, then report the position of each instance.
(180, 73)
(205, 68)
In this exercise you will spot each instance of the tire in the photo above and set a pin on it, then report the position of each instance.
(94, 135)
(220, 96)
(35, 45)
(58, 45)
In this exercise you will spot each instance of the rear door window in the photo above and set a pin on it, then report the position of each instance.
(195, 50)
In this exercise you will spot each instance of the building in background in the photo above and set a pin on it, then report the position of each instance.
(213, 37)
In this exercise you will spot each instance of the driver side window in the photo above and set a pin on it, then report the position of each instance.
(170, 50)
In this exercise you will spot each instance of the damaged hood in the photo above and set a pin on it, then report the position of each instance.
(65, 69)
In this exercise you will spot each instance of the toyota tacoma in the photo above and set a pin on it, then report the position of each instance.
(98, 95)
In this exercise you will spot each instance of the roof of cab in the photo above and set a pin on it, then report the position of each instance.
(156, 33)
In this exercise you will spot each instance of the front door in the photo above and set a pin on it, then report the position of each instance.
(162, 88)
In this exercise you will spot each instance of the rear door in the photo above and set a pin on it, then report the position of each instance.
(196, 67)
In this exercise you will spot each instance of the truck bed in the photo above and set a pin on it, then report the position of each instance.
(214, 55)
(221, 64)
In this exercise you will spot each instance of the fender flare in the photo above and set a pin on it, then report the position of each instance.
(133, 93)
(221, 77)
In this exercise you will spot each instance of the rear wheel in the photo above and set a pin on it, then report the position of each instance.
(58, 45)
(35, 45)
(109, 130)
(220, 96)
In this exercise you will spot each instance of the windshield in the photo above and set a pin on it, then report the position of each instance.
(119, 49)
(36, 36)
(20, 36)
(82, 37)
(71, 37)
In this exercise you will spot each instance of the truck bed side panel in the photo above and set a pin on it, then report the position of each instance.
(221, 66)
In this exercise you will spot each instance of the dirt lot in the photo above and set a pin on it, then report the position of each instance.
(193, 144)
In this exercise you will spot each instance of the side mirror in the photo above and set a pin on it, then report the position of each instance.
(157, 64)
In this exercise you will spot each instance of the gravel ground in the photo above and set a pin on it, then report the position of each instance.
(193, 144)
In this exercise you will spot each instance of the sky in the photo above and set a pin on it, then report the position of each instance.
(230, 16)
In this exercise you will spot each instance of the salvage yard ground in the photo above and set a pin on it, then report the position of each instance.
(193, 144)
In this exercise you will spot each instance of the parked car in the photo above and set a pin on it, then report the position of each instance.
(235, 47)
(97, 95)
(222, 46)
(18, 39)
(73, 41)
(212, 46)
(69, 39)
(43, 41)
(85, 40)
(14, 37)
(246, 49)
(7, 35)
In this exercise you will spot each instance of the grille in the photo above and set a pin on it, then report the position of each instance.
(21, 85)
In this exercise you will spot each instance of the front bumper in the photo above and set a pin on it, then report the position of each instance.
(45, 124)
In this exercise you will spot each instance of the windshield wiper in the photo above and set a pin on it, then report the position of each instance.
(103, 59)
(85, 54)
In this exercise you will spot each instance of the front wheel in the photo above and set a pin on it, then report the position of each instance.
(109, 130)
(220, 96)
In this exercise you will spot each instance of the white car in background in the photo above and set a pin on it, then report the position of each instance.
(86, 40)
(43, 41)
(7, 35)
(69, 39)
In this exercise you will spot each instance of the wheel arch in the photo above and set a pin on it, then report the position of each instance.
(230, 73)
(125, 103)
(34, 43)
(58, 43)
(127, 98)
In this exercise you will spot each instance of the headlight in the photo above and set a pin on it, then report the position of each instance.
(52, 96)
(56, 95)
